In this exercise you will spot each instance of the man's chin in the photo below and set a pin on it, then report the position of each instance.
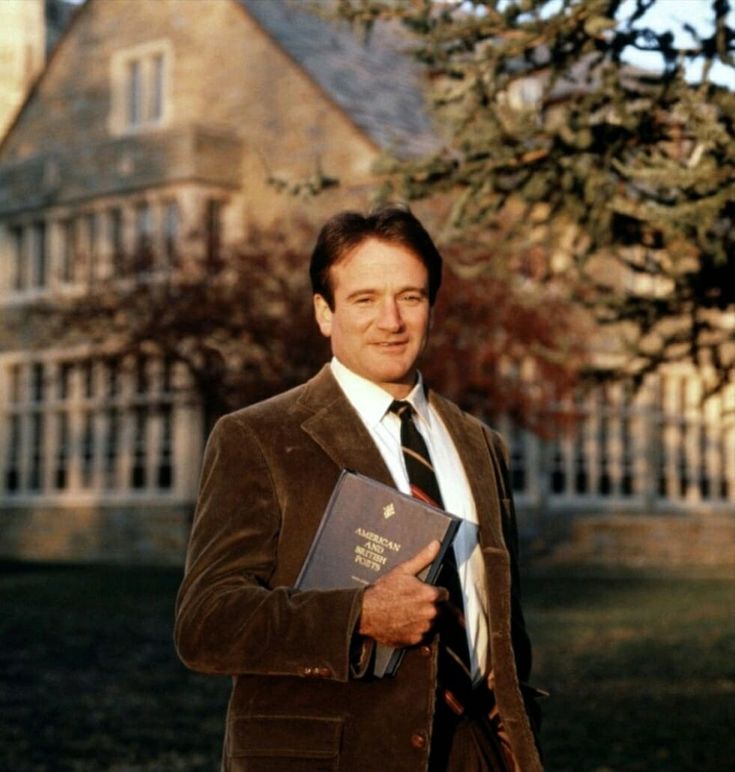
(398, 376)
(397, 360)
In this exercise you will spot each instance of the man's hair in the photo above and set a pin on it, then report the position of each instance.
(345, 231)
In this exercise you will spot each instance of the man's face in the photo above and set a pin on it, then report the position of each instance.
(381, 317)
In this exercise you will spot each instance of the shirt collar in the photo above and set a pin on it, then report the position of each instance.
(372, 402)
(417, 398)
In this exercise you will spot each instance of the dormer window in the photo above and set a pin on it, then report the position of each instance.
(140, 87)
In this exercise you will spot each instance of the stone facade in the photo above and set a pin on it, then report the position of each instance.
(670, 541)
(165, 121)
(236, 109)
(160, 121)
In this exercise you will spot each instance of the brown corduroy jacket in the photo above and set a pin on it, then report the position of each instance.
(268, 472)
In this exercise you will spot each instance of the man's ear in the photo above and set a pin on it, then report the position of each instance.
(323, 315)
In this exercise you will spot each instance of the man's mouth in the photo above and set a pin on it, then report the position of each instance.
(391, 343)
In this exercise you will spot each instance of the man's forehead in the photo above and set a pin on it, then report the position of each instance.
(375, 252)
(367, 274)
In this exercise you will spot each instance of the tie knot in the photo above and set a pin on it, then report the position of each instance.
(402, 409)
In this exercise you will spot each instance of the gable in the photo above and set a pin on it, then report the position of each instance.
(246, 92)
(372, 78)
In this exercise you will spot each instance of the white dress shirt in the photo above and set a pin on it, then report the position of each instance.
(372, 405)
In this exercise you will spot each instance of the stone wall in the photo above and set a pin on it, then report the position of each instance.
(150, 533)
(238, 110)
(225, 76)
(649, 540)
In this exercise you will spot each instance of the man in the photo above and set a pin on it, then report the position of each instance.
(303, 697)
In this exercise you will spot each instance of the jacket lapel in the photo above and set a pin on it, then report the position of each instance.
(469, 439)
(338, 430)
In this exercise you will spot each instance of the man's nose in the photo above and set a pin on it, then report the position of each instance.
(390, 316)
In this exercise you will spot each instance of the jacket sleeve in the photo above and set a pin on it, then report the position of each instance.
(228, 618)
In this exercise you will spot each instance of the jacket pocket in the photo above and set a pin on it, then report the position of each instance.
(284, 743)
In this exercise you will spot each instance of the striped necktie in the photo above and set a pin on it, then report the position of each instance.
(454, 664)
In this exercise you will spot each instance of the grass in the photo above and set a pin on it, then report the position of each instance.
(89, 679)
(641, 670)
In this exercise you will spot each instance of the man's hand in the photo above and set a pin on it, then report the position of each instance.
(399, 609)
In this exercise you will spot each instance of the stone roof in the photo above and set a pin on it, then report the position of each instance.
(58, 16)
(371, 77)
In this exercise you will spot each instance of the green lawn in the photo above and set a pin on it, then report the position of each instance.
(641, 670)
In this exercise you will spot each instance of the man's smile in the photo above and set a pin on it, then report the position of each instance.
(379, 319)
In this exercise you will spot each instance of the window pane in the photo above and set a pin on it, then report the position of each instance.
(142, 222)
(39, 254)
(65, 371)
(15, 381)
(18, 261)
(116, 240)
(88, 373)
(155, 108)
(518, 459)
(35, 474)
(12, 469)
(62, 451)
(87, 450)
(167, 376)
(138, 471)
(113, 378)
(112, 445)
(143, 237)
(213, 227)
(171, 231)
(69, 249)
(581, 475)
(134, 93)
(90, 227)
(37, 382)
(604, 480)
(165, 461)
(141, 376)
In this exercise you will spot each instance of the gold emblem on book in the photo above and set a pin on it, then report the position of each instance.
(388, 511)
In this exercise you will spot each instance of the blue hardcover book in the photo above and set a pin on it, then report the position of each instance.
(367, 529)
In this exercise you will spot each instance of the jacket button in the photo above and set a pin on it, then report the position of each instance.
(425, 651)
(419, 740)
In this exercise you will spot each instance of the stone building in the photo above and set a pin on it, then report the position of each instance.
(158, 123)
(161, 122)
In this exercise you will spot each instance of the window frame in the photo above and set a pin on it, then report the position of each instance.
(141, 87)
(69, 432)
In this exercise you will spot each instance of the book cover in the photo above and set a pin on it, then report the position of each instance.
(367, 529)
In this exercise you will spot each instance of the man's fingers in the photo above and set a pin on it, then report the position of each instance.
(420, 560)
(443, 594)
